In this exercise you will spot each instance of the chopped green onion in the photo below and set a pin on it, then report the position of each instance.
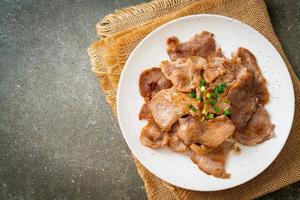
(216, 90)
(202, 88)
(193, 108)
(192, 94)
(227, 112)
(199, 98)
(226, 101)
(215, 96)
(208, 95)
(210, 116)
(219, 88)
(213, 101)
(217, 109)
(202, 83)
(207, 101)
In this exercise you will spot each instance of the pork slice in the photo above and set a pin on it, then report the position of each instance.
(185, 74)
(209, 133)
(222, 104)
(242, 100)
(174, 143)
(152, 136)
(213, 163)
(152, 81)
(145, 112)
(232, 73)
(260, 83)
(169, 105)
(234, 69)
(216, 67)
(202, 44)
(258, 129)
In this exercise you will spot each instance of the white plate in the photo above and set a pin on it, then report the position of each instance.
(230, 34)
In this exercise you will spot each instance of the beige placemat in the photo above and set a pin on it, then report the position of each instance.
(109, 55)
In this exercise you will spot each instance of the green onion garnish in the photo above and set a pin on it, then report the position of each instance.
(208, 95)
(192, 94)
(207, 101)
(215, 96)
(216, 92)
(202, 88)
(227, 112)
(202, 83)
(193, 108)
(199, 98)
(213, 101)
(226, 101)
(219, 88)
(210, 116)
(217, 109)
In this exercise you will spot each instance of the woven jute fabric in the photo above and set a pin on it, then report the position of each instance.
(108, 56)
(131, 16)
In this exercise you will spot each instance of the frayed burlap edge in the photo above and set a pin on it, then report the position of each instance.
(135, 15)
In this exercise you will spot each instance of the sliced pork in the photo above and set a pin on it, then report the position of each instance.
(203, 102)
(216, 67)
(260, 83)
(258, 129)
(209, 133)
(185, 74)
(174, 143)
(213, 163)
(145, 112)
(242, 100)
(152, 81)
(234, 69)
(169, 105)
(202, 44)
(152, 136)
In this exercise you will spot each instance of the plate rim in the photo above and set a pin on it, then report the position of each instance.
(223, 18)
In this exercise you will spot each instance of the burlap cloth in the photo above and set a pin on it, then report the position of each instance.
(123, 30)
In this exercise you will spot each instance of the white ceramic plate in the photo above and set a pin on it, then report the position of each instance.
(230, 34)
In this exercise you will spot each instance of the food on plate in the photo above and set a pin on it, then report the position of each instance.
(209, 133)
(169, 105)
(152, 81)
(242, 100)
(145, 112)
(202, 44)
(204, 103)
(258, 129)
(260, 83)
(184, 73)
(213, 162)
(152, 136)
